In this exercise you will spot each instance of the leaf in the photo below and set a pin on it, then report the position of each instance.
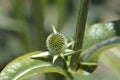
(96, 55)
(60, 62)
(82, 75)
(89, 67)
(24, 67)
(99, 38)
(112, 61)
(91, 77)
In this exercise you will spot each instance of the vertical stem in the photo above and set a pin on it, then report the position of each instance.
(38, 15)
(19, 9)
(19, 13)
(80, 29)
(61, 7)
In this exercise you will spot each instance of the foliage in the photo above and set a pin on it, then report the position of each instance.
(24, 66)
(72, 63)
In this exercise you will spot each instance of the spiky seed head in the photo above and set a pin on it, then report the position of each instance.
(56, 43)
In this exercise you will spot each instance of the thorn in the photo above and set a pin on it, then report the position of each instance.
(40, 55)
(68, 50)
(54, 58)
(54, 30)
(71, 44)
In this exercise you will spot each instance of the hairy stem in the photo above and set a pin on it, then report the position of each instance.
(80, 29)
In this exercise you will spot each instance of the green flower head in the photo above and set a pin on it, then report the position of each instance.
(56, 43)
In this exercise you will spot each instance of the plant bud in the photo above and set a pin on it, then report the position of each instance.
(56, 43)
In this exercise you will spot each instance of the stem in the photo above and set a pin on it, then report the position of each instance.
(24, 29)
(61, 7)
(38, 14)
(80, 29)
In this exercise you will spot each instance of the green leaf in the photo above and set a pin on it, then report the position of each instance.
(83, 75)
(91, 77)
(89, 67)
(112, 62)
(96, 55)
(24, 67)
(99, 38)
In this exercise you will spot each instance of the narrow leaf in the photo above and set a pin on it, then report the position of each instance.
(24, 67)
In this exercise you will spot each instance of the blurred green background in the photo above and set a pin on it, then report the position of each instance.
(25, 24)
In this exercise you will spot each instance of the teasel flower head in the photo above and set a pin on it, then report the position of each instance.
(56, 43)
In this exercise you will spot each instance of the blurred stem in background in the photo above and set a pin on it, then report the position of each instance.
(24, 29)
(62, 10)
(38, 15)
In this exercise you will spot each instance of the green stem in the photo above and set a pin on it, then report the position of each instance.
(24, 29)
(80, 29)
(61, 5)
(38, 15)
